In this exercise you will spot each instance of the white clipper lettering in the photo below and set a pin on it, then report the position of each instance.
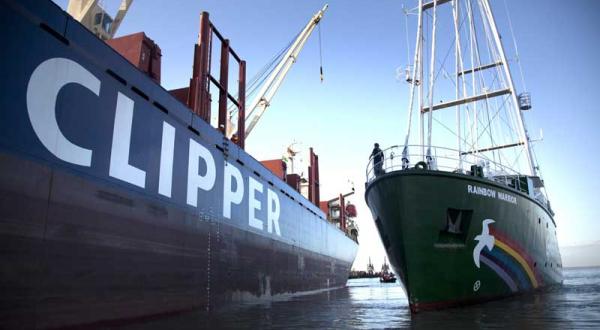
(229, 196)
(273, 212)
(205, 182)
(119, 153)
(42, 91)
(167, 149)
(253, 203)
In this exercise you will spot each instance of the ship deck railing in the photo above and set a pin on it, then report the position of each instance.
(448, 160)
(452, 160)
(443, 159)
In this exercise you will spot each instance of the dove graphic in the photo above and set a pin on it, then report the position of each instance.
(484, 240)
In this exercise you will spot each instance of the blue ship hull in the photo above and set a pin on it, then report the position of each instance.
(116, 202)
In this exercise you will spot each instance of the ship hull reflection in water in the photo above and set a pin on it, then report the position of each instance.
(368, 304)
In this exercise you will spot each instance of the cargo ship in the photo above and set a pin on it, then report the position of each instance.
(119, 200)
(463, 213)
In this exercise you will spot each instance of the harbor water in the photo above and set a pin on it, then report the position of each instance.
(368, 304)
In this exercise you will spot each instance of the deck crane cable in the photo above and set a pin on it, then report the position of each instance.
(269, 66)
(320, 53)
(259, 78)
(270, 87)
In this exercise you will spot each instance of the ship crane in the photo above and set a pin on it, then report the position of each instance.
(91, 14)
(264, 97)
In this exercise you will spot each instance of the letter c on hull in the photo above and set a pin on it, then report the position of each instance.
(42, 91)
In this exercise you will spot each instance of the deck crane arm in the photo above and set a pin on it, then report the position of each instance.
(266, 93)
(85, 12)
(123, 8)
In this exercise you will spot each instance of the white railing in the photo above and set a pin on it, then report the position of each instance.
(442, 159)
(449, 160)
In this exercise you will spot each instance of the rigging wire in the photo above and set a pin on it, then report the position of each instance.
(512, 32)
(503, 78)
(259, 78)
(320, 53)
(499, 77)
(491, 56)
(494, 110)
(408, 60)
(456, 135)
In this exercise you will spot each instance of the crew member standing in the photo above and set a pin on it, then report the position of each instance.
(377, 156)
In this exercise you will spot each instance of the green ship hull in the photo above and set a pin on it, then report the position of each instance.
(456, 239)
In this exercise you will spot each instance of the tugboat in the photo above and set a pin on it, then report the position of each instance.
(471, 222)
(386, 276)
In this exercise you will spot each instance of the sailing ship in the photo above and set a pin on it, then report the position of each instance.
(463, 213)
(121, 200)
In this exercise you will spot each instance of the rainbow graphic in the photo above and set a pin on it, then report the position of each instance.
(511, 263)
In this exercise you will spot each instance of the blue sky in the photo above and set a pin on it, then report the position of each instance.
(361, 101)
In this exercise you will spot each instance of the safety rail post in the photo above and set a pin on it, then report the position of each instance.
(198, 96)
(241, 125)
(223, 81)
(198, 93)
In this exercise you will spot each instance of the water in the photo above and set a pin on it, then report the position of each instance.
(368, 304)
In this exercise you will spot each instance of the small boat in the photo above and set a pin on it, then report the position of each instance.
(386, 276)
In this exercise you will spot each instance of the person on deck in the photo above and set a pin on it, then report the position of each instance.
(377, 156)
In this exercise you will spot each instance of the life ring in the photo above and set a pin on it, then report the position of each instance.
(421, 166)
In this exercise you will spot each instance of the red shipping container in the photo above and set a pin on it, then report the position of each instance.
(277, 166)
(141, 51)
(324, 206)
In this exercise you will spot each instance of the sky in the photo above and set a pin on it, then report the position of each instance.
(361, 100)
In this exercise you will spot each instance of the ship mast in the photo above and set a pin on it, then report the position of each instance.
(414, 81)
(474, 96)
(266, 93)
(522, 129)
